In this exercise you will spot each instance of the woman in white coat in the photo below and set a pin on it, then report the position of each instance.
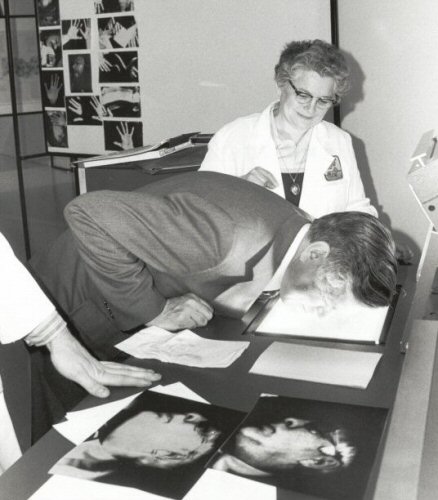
(288, 148)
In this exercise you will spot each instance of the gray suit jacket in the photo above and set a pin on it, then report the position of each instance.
(217, 236)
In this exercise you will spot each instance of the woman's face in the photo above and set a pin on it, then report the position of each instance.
(162, 440)
(304, 116)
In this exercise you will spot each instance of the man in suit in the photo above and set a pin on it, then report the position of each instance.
(176, 251)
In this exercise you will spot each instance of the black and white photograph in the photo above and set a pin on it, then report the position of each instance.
(84, 110)
(108, 6)
(312, 447)
(76, 34)
(2, 8)
(80, 72)
(121, 101)
(123, 135)
(53, 89)
(56, 129)
(159, 444)
(118, 67)
(117, 32)
(50, 48)
(48, 12)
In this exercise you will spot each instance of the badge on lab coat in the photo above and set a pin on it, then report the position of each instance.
(334, 171)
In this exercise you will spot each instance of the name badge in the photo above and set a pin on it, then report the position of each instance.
(334, 171)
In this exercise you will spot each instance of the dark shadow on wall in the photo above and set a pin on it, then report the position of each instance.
(407, 248)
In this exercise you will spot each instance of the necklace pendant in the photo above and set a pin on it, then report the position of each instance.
(295, 189)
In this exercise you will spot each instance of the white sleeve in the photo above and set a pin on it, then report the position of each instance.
(227, 152)
(214, 160)
(23, 305)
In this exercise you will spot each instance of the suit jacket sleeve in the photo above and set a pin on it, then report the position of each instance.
(124, 237)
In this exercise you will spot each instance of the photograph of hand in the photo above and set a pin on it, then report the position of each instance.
(118, 67)
(84, 110)
(50, 48)
(53, 84)
(122, 136)
(56, 123)
(121, 101)
(76, 34)
(117, 32)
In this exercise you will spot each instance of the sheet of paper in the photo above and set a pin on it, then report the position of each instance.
(218, 485)
(180, 390)
(351, 321)
(184, 348)
(82, 423)
(317, 364)
(69, 488)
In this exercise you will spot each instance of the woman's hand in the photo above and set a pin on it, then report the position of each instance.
(261, 177)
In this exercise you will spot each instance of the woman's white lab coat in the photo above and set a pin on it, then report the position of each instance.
(247, 142)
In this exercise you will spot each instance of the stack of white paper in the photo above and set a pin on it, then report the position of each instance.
(217, 485)
(70, 488)
(183, 348)
(318, 364)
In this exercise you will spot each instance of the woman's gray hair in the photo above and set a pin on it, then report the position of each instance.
(313, 55)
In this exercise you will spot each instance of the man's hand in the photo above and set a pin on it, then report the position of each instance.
(187, 311)
(75, 363)
(261, 177)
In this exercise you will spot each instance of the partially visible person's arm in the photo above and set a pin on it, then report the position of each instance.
(26, 313)
(74, 362)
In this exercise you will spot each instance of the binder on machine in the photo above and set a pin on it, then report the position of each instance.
(178, 154)
(182, 152)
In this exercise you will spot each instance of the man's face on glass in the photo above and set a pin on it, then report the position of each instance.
(299, 291)
(162, 440)
(285, 444)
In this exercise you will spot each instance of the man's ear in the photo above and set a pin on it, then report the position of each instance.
(315, 252)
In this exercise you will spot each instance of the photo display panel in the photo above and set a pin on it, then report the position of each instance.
(120, 74)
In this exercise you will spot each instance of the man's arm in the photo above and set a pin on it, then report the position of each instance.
(122, 236)
(26, 312)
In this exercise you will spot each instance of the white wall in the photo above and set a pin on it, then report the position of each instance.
(203, 63)
(394, 52)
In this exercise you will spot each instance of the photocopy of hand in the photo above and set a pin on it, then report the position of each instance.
(186, 311)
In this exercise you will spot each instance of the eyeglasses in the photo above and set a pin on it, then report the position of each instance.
(321, 102)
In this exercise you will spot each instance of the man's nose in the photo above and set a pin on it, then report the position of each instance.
(328, 450)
